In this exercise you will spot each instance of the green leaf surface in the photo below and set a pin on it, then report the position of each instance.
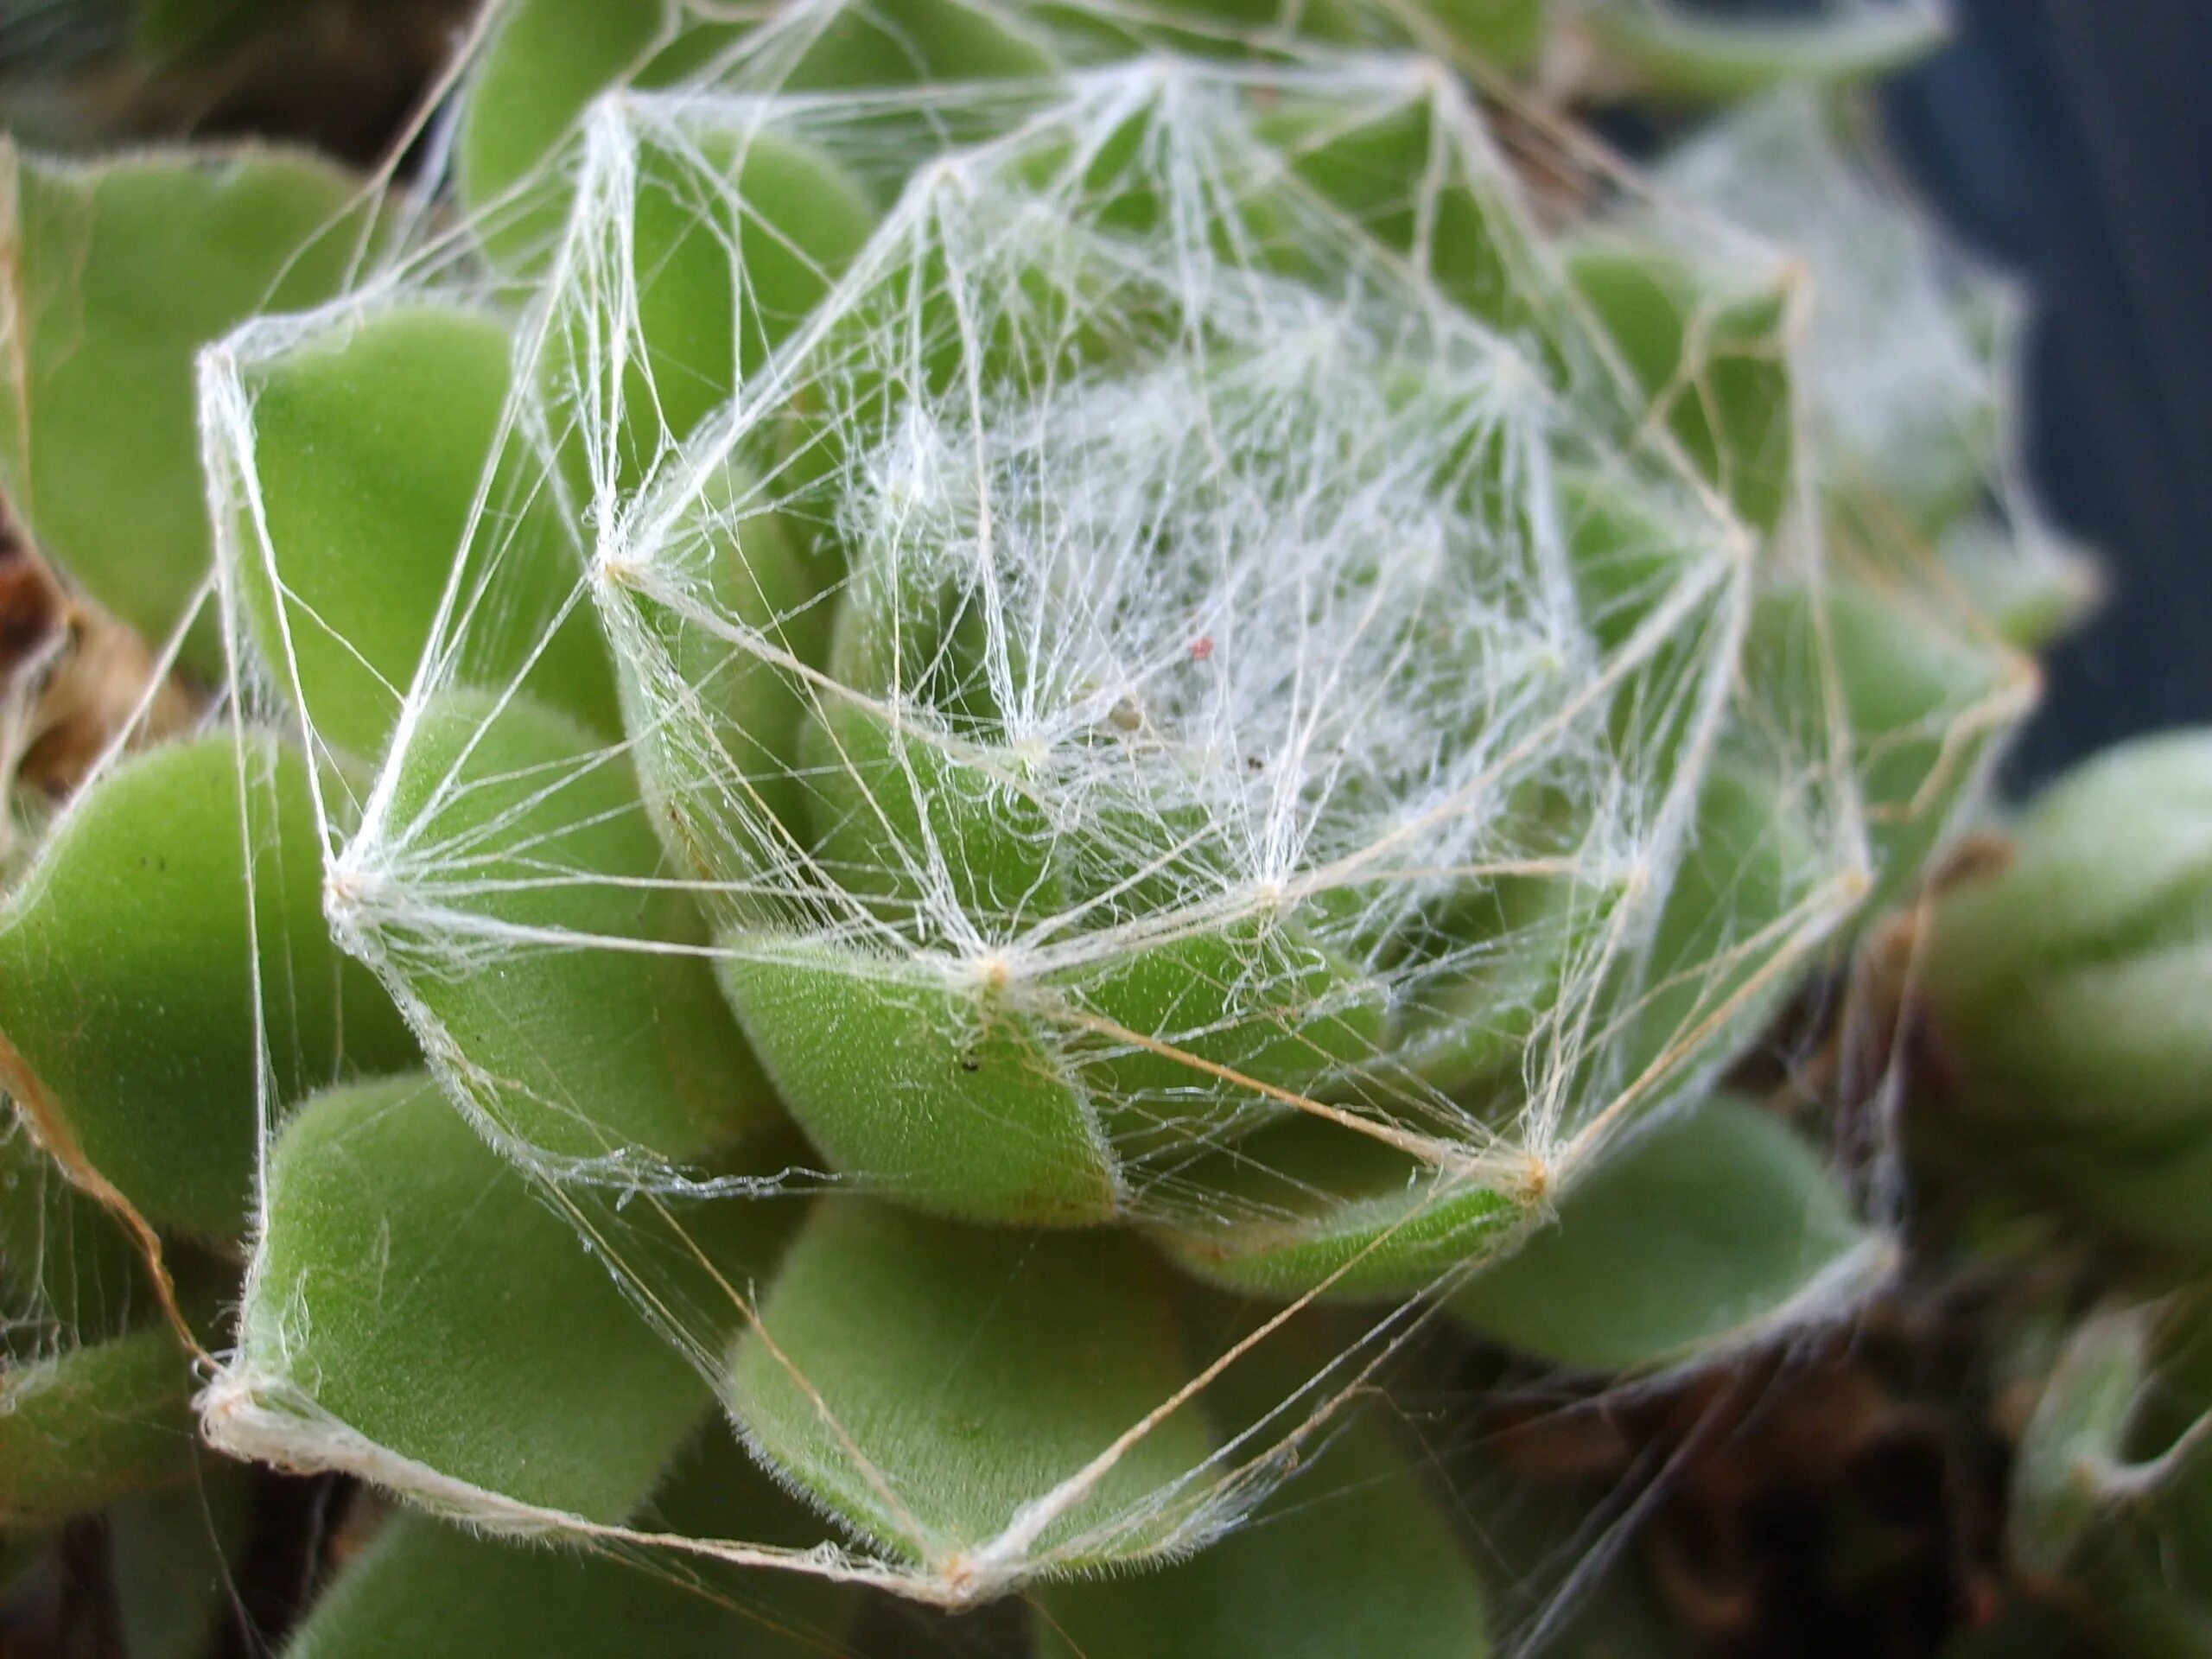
(1719, 967)
(382, 464)
(1403, 174)
(134, 957)
(1713, 355)
(867, 43)
(953, 1102)
(1922, 701)
(603, 1034)
(909, 819)
(924, 1380)
(417, 1288)
(730, 242)
(716, 723)
(1310, 1204)
(1351, 1558)
(2071, 979)
(544, 61)
(1267, 1002)
(1707, 1232)
(426, 1590)
(87, 1426)
(1507, 34)
(117, 273)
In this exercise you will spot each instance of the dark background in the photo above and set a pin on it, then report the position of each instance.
(2071, 140)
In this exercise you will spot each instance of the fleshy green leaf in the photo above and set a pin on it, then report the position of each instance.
(425, 1590)
(370, 448)
(417, 1288)
(957, 1104)
(1309, 1203)
(1714, 356)
(594, 1042)
(916, 42)
(543, 63)
(2071, 980)
(728, 244)
(1038, 1350)
(84, 1427)
(132, 964)
(1750, 872)
(1502, 33)
(1922, 700)
(1705, 1232)
(1353, 1558)
(117, 273)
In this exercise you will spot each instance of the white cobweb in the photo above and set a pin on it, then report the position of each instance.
(1208, 562)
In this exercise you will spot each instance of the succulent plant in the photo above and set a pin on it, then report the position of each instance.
(944, 755)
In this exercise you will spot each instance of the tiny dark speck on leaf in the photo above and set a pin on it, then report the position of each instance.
(969, 1062)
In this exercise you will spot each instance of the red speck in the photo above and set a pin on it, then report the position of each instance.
(1202, 648)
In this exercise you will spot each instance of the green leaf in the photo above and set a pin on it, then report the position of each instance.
(717, 723)
(1707, 1232)
(956, 1103)
(86, 1427)
(2033, 587)
(544, 61)
(1923, 704)
(864, 43)
(371, 448)
(426, 1590)
(728, 245)
(1716, 973)
(1506, 35)
(115, 274)
(1351, 1558)
(134, 958)
(2070, 981)
(1310, 1204)
(910, 819)
(419, 1289)
(1404, 174)
(1713, 354)
(1677, 55)
(1269, 1002)
(922, 1382)
(602, 1035)
(549, 59)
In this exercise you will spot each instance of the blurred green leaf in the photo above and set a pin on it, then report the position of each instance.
(117, 273)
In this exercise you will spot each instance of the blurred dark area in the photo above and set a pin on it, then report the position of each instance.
(343, 75)
(2070, 140)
